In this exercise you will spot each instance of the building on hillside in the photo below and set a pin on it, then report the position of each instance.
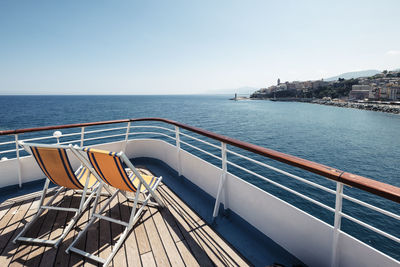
(359, 92)
(319, 83)
(383, 92)
(290, 86)
(393, 92)
(282, 87)
(374, 93)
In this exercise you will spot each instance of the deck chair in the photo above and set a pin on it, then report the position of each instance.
(109, 166)
(54, 162)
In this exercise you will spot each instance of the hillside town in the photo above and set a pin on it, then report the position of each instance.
(384, 86)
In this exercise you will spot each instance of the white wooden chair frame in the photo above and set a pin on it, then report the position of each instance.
(135, 213)
(78, 211)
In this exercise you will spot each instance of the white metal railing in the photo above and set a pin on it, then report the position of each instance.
(130, 131)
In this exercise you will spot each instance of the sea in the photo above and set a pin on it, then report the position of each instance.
(362, 142)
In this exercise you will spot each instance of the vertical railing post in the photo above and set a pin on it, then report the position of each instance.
(178, 150)
(57, 135)
(224, 173)
(337, 224)
(82, 136)
(18, 162)
(221, 182)
(128, 128)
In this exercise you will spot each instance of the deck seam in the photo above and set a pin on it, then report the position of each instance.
(151, 247)
(48, 235)
(159, 236)
(186, 234)
(169, 233)
(63, 220)
(19, 246)
(220, 236)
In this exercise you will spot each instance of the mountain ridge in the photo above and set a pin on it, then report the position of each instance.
(354, 74)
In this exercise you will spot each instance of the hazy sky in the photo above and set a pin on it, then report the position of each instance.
(175, 47)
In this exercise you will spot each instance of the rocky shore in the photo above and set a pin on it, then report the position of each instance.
(388, 108)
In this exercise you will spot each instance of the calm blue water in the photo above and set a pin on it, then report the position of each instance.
(357, 141)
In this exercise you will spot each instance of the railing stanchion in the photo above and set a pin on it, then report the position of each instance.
(178, 150)
(128, 128)
(57, 135)
(221, 182)
(82, 135)
(19, 162)
(224, 170)
(337, 224)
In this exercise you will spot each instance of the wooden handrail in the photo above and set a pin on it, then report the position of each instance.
(57, 127)
(375, 187)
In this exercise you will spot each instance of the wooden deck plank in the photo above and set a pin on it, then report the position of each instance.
(7, 217)
(4, 208)
(62, 258)
(171, 225)
(75, 259)
(131, 245)
(148, 259)
(46, 227)
(185, 229)
(188, 221)
(221, 247)
(116, 231)
(92, 241)
(24, 249)
(105, 245)
(186, 254)
(141, 237)
(191, 239)
(216, 248)
(11, 230)
(173, 198)
(167, 240)
(216, 252)
(173, 236)
(157, 247)
(49, 256)
(12, 251)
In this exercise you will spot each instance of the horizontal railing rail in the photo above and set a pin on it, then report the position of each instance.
(375, 187)
(58, 127)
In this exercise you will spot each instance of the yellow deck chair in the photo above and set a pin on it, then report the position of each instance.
(109, 166)
(54, 162)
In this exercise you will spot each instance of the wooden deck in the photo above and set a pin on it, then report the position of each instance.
(173, 236)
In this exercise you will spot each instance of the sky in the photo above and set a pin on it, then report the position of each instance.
(188, 47)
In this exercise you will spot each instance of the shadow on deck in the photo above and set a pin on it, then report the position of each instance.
(173, 236)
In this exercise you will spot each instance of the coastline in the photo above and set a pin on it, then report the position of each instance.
(387, 108)
(379, 107)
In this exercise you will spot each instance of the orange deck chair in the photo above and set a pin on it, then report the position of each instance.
(109, 166)
(54, 162)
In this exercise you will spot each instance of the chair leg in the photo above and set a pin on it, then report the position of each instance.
(93, 218)
(96, 200)
(45, 187)
(38, 212)
(128, 227)
(71, 223)
(117, 246)
(154, 195)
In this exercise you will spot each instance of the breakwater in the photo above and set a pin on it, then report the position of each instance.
(388, 108)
